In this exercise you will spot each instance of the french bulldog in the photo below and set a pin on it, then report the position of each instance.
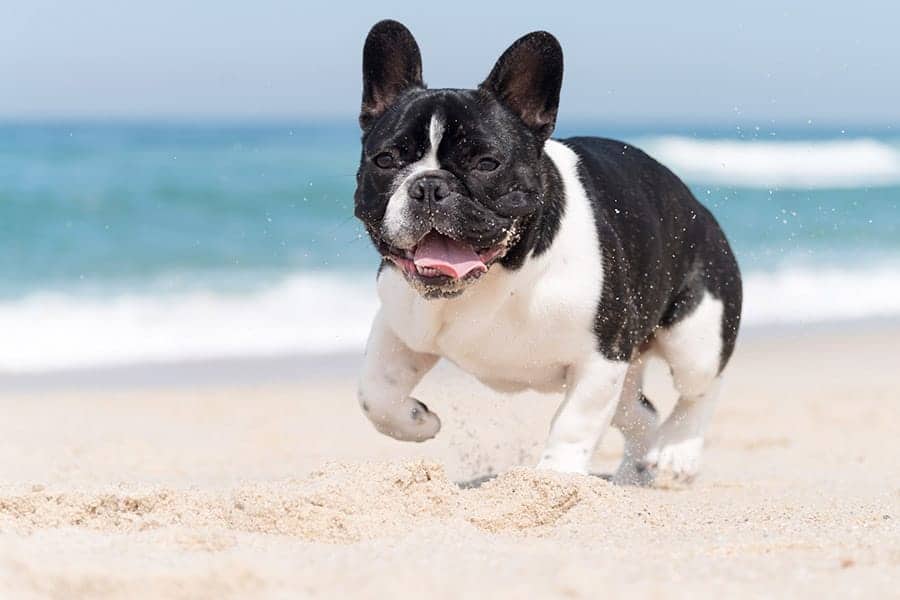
(535, 263)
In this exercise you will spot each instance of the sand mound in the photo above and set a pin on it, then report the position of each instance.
(339, 503)
(529, 500)
(348, 502)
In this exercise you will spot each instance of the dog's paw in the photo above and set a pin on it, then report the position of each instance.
(675, 460)
(426, 424)
(633, 472)
(414, 422)
(565, 458)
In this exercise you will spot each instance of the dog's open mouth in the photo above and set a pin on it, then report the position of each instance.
(438, 259)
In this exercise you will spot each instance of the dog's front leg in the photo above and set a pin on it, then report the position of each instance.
(390, 372)
(592, 392)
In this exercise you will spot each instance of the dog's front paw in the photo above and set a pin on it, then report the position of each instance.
(412, 421)
(675, 460)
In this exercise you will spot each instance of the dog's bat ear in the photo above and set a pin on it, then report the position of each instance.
(528, 78)
(392, 64)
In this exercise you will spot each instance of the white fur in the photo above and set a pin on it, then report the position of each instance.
(693, 349)
(396, 211)
(390, 372)
(591, 398)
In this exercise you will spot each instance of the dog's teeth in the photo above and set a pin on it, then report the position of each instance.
(427, 271)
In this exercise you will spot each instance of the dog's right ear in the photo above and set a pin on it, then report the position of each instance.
(392, 64)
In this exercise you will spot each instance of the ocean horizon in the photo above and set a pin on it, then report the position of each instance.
(127, 241)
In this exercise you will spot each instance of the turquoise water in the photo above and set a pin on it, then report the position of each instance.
(100, 215)
(118, 205)
(125, 205)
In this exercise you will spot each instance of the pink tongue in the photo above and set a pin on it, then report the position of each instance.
(447, 256)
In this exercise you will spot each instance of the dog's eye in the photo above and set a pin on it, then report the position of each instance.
(487, 164)
(385, 160)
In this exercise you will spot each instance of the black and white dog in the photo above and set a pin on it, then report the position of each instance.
(535, 263)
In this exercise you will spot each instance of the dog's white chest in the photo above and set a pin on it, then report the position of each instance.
(507, 339)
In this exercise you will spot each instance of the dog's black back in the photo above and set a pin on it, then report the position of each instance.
(661, 247)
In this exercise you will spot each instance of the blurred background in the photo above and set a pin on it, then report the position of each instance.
(176, 179)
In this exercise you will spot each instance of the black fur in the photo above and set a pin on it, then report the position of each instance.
(508, 118)
(528, 78)
(482, 206)
(392, 64)
(661, 248)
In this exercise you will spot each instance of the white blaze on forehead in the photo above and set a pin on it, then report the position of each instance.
(395, 214)
(435, 134)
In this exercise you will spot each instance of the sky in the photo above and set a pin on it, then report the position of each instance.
(711, 62)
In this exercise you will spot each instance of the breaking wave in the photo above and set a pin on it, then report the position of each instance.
(849, 163)
(324, 313)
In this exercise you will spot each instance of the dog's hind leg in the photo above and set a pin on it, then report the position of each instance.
(693, 349)
(637, 419)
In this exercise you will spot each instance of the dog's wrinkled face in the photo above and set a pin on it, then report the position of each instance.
(448, 178)
(442, 184)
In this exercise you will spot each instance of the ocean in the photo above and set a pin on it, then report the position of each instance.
(141, 242)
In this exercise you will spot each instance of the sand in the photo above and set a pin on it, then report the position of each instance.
(278, 488)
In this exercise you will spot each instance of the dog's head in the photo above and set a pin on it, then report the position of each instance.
(449, 179)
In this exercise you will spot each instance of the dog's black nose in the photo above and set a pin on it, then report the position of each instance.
(430, 188)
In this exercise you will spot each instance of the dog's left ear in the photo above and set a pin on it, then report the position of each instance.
(392, 64)
(527, 79)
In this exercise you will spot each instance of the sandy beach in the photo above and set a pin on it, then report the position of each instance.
(216, 482)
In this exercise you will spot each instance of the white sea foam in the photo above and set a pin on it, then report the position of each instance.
(319, 314)
(840, 163)
(307, 314)
(800, 295)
